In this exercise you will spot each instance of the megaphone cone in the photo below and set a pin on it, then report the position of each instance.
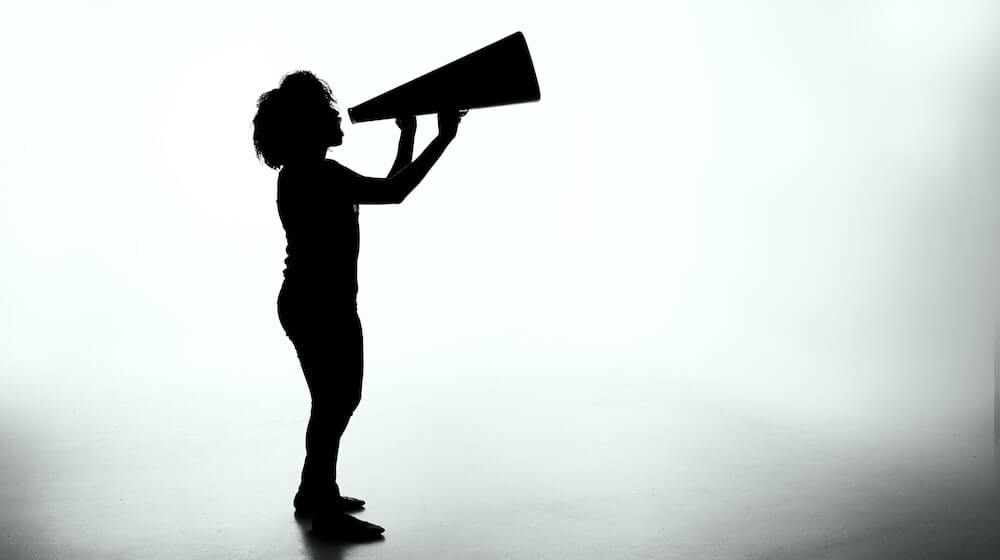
(500, 73)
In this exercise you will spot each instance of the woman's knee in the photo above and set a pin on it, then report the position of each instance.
(336, 405)
(351, 401)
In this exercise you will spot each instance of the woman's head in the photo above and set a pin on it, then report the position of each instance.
(296, 120)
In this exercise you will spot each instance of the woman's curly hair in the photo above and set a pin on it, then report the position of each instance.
(286, 117)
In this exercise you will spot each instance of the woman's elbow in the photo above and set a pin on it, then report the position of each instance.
(399, 192)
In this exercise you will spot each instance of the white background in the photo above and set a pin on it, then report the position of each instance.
(780, 209)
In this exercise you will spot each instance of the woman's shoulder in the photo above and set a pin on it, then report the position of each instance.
(298, 170)
(313, 182)
(325, 169)
(337, 170)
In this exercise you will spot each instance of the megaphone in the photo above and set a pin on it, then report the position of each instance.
(500, 73)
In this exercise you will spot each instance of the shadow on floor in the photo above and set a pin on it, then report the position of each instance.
(325, 549)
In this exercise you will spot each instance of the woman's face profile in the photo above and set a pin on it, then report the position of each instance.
(331, 124)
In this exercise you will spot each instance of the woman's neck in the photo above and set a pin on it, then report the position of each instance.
(311, 156)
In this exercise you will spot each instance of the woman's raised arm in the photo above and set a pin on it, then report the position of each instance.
(395, 188)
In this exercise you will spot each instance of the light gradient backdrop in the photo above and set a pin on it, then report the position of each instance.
(779, 211)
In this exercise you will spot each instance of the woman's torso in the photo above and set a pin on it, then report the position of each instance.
(321, 233)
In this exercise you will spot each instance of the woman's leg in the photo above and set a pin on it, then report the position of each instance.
(332, 363)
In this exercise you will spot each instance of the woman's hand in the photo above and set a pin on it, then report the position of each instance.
(407, 125)
(448, 122)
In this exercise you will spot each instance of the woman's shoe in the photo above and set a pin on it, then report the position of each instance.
(348, 503)
(306, 504)
(343, 527)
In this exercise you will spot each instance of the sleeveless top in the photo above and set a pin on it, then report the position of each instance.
(321, 230)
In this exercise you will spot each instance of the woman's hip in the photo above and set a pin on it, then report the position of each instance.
(312, 314)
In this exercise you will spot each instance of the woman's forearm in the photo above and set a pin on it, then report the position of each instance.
(409, 176)
(404, 153)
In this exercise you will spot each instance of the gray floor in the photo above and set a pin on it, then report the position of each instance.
(601, 467)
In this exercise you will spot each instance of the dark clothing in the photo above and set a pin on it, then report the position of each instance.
(317, 309)
(321, 229)
(330, 347)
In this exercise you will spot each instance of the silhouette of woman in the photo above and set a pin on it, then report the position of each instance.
(317, 201)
